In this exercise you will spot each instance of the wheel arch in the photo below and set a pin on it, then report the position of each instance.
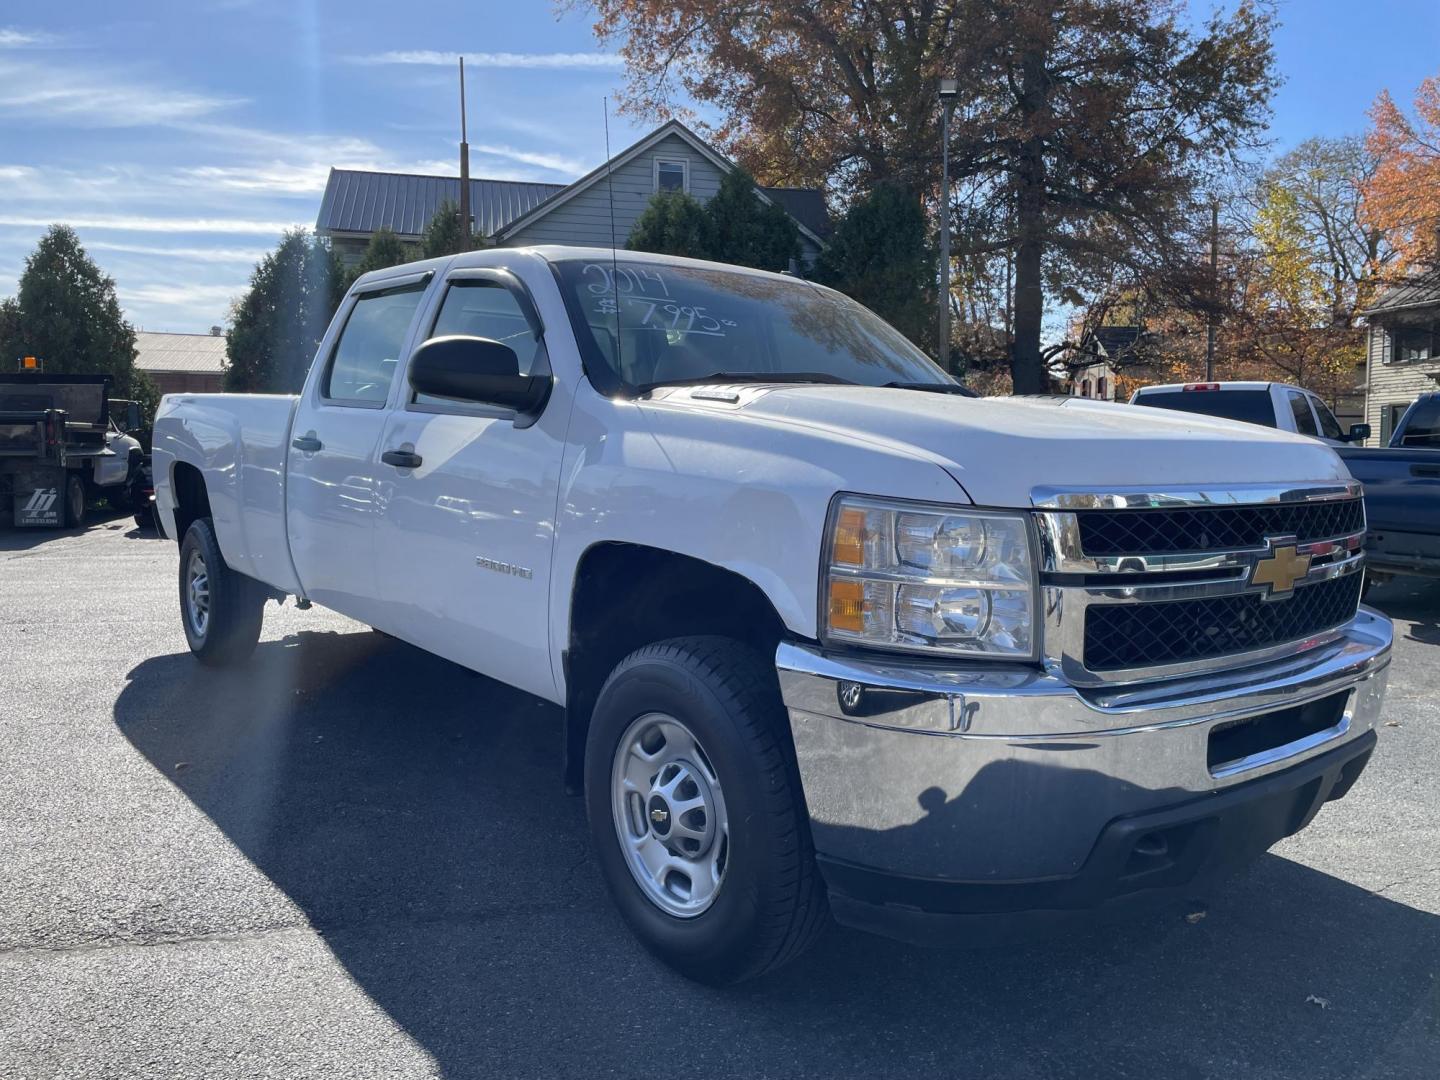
(626, 595)
(192, 498)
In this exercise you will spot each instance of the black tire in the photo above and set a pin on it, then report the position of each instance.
(74, 502)
(235, 604)
(770, 904)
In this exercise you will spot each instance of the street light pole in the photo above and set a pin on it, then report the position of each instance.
(949, 91)
(1214, 289)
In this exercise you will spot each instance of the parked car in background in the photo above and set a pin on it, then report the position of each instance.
(60, 446)
(1275, 405)
(828, 634)
(1402, 494)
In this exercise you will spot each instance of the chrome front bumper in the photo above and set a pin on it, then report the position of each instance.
(1003, 774)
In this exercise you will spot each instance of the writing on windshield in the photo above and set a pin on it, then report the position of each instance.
(649, 323)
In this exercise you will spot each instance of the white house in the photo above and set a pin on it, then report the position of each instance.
(514, 213)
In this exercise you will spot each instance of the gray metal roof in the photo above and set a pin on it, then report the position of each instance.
(1422, 290)
(805, 205)
(179, 352)
(362, 202)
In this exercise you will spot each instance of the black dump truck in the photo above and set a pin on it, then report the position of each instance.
(60, 447)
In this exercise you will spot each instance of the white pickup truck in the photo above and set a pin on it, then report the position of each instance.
(831, 636)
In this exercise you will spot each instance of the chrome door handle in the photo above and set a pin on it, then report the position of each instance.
(307, 443)
(401, 459)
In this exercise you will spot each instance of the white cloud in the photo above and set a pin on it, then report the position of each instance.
(208, 296)
(200, 254)
(11, 38)
(554, 162)
(150, 223)
(431, 58)
(88, 97)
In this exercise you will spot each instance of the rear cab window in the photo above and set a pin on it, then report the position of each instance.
(1251, 406)
(363, 362)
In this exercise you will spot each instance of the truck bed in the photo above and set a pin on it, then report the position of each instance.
(239, 440)
(1402, 505)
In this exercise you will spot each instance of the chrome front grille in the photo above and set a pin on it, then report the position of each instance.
(1140, 585)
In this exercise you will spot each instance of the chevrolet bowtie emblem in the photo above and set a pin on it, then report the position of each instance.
(658, 816)
(1280, 567)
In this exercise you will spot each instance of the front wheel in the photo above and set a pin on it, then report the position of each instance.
(696, 811)
(222, 610)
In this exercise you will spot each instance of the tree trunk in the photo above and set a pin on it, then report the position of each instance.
(1027, 365)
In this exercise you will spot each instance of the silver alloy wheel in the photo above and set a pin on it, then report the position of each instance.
(669, 815)
(197, 593)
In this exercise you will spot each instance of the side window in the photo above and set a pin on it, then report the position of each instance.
(1300, 409)
(488, 310)
(671, 175)
(1329, 426)
(362, 365)
(1424, 426)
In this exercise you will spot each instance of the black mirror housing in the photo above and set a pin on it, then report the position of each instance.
(133, 421)
(1359, 432)
(476, 369)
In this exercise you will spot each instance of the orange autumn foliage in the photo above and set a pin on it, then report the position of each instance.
(1402, 198)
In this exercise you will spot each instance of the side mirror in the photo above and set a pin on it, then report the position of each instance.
(133, 422)
(1358, 433)
(476, 369)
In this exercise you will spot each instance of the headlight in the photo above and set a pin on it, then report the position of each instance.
(929, 578)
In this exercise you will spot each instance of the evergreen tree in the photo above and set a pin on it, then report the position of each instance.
(672, 223)
(746, 231)
(66, 313)
(277, 326)
(442, 234)
(879, 255)
(384, 250)
(733, 227)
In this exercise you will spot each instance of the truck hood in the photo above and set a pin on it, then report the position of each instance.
(1001, 449)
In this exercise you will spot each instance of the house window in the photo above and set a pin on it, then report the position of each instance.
(1085, 388)
(1100, 387)
(1414, 342)
(671, 175)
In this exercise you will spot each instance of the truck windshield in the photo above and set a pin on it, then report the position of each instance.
(1252, 406)
(645, 324)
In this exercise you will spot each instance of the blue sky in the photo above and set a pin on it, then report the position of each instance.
(180, 137)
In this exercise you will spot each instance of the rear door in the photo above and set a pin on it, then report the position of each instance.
(332, 460)
(465, 540)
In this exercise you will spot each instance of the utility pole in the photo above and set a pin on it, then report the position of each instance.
(1213, 314)
(464, 169)
(949, 92)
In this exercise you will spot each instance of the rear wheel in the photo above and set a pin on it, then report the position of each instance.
(74, 502)
(696, 811)
(222, 610)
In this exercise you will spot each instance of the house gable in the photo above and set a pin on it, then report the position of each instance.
(581, 214)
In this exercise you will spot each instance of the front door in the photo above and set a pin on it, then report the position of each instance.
(464, 542)
(332, 461)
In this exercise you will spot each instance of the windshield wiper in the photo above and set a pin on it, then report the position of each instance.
(933, 388)
(746, 377)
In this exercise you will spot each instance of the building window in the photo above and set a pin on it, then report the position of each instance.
(1085, 388)
(671, 175)
(1100, 387)
(1414, 342)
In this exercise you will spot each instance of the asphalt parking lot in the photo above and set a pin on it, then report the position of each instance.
(348, 858)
